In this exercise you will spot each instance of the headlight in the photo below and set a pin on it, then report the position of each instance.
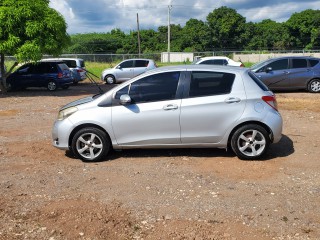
(66, 112)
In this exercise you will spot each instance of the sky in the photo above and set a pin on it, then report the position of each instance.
(87, 16)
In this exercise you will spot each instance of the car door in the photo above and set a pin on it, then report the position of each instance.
(152, 117)
(212, 104)
(23, 76)
(300, 73)
(275, 74)
(140, 66)
(125, 70)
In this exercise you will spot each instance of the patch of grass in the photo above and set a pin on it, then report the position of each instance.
(296, 104)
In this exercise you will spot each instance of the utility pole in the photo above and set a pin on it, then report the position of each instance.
(169, 11)
(138, 34)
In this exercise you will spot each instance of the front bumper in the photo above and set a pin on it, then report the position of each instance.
(60, 134)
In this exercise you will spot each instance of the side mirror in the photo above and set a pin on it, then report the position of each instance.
(125, 99)
(118, 67)
(269, 69)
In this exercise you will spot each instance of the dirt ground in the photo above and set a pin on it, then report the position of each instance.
(45, 193)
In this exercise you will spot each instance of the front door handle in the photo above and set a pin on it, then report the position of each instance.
(170, 107)
(232, 100)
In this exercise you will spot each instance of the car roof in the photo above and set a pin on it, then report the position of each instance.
(215, 57)
(138, 59)
(299, 57)
(199, 67)
(49, 59)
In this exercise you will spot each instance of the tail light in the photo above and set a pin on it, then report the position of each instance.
(80, 70)
(271, 101)
(60, 75)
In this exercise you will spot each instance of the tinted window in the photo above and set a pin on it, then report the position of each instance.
(141, 63)
(215, 62)
(313, 62)
(278, 65)
(157, 87)
(299, 63)
(71, 63)
(126, 64)
(210, 83)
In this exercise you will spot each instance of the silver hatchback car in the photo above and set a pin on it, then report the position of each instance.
(126, 70)
(174, 107)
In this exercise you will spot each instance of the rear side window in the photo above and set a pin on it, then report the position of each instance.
(215, 62)
(258, 81)
(141, 63)
(299, 63)
(210, 83)
(313, 62)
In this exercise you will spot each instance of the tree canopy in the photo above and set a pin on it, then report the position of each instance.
(29, 29)
(225, 29)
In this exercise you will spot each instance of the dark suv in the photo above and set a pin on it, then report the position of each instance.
(49, 74)
(290, 73)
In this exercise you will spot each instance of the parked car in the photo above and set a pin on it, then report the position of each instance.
(126, 70)
(218, 61)
(49, 74)
(290, 73)
(76, 65)
(196, 106)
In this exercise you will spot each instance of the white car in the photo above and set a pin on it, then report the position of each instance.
(126, 70)
(218, 61)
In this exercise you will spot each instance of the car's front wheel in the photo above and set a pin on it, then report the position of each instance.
(314, 86)
(90, 144)
(110, 79)
(250, 142)
(52, 86)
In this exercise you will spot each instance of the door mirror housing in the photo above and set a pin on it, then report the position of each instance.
(269, 69)
(125, 99)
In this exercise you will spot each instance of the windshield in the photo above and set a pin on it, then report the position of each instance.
(258, 65)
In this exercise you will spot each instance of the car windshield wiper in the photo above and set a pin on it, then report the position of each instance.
(90, 76)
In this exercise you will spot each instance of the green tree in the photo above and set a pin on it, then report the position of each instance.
(195, 36)
(304, 28)
(269, 35)
(29, 29)
(227, 28)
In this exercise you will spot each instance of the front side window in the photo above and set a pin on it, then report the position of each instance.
(210, 83)
(157, 87)
(278, 65)
(126, 64)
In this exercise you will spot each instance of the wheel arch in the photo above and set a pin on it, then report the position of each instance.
(75, 130)
(250, 122)
(308, 82)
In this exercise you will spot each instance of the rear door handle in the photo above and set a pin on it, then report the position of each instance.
(170, 107)
(232, 100)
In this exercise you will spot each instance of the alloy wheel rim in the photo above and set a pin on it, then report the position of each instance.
(110, 80)
(251, 143)
(51, 86)
(315, 86)
(89, 146)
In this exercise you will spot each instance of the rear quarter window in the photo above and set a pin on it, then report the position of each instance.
(63, 66)
(71, 63)
(313, 62)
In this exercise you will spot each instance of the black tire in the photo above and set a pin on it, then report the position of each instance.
(90, 144)
(314, 86)
(52, 86)
(250, 142)
(110, 79)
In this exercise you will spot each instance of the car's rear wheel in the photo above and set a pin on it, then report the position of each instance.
(52, 86)
(250, 142)
(314, 86)
(110, 79)
(90, 144)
